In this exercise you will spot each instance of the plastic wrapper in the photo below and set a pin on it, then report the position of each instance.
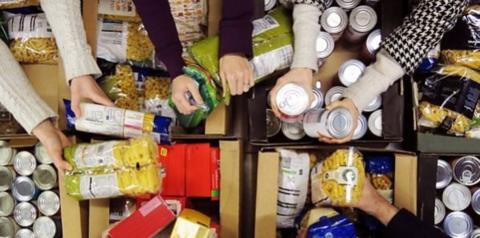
(313, 216)
(118, 10)
(380, 171)
(112, 121)
(338, 179)
(190, 17)
(9, 4)
(8, 124)
(292, 186)
(34, 44)
(272, 46)
(337, 226)
(112, 169)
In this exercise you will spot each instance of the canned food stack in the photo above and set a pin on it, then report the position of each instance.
(458, 196)
(29, 200)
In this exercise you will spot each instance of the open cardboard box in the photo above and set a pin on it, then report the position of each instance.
(405, 185)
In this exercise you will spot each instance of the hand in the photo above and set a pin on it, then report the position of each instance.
(374, 204)
(348, 104)
(86, 88)
(54, 141)
(300, 76)
(181, 85)
(236, 71)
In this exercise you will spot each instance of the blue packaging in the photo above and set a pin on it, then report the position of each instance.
(335, 227)
(379, 164)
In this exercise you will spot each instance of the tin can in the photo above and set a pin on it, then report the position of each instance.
(324, 46)
(362, 20)
(25, 214)
(439, 212)
(334, 20)
(458, 225)
(334, 94)
(44, 227)
(336, 123)
(7, 204)
(475, 233)
(23, 189)
(45, 177)
(374, 105)
(24, 233)
(292, 101)
(24, 163)
(293, 131)
(466, 170)
(456, 197)
(372, 45)
(311, 125)
(48, 203)
(274, 125)
(476, 201)
(42, 155)
(348, 4)
(318, 100)
(350, 72)
(444, 174)
(362, 128)
(6, 155)
(375, 123)
(8, 228)
(270, 4)
(7, 175)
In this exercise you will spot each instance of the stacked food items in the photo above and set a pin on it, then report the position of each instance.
(28, 193)
(458, 196)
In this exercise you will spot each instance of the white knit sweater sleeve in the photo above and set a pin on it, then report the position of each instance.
(64, 16)
(17, 94)
(305, 29)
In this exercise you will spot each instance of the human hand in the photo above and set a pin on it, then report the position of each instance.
(350, 106)
(54, 141)
(237, 73)
(300, 76)
(181, 86)
(375, 204)
(86, 88)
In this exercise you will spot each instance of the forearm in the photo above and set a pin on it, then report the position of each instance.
(306, 29)
(67, 26)
(236, 28)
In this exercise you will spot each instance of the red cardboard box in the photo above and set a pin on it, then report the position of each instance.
(147, 221)
(198, 171)
(215, 177)
(176, 204)
(173, 162)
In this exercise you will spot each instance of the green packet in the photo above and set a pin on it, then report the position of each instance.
(272, 46)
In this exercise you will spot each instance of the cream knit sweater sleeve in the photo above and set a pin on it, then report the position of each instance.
(64, 16)
(305, 30)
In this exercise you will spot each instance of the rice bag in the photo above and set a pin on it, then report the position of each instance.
(338, 179)
(34, 44)
(9, 4)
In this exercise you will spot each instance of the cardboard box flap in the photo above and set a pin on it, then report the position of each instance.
(405, 195)
(267, 194)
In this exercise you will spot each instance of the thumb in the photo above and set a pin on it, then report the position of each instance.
(59, 162)
(193, 89)
(334, 105)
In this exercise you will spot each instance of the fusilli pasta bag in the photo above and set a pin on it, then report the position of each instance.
(338, 179)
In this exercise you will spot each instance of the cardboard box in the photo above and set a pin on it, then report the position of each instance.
(192, 224)
(405, 187)
(175, 168)
(198, 172)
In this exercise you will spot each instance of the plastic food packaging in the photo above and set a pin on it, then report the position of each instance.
(380, 171)
(337, 226)
(272, 46)
(314, 215)
(338, 179)
(190, 17)
(34, 44)
(112, 169)
(112, 121)
(8, 4)
(293, 176)
(118, 10)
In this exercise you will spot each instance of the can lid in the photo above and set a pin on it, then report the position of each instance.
(24, 163)
(334, 20)
(339, 122)
(292, 100)
(23, 189)
(293, 131)
(42, 155)
(348, 4)
(7, 227)
(25, 214)
(317, 102)
(374, 40)
(274, 125)
(375, 123)
(45, 177)
(7, 204)
(456, 197)
(466, 170)
(440, 211)
(350, 72)
(458, 224)
(444, 174)
(361, 129)
(48, 203)
(375, 104)
(6, 154)
(6, 178)
(270, 4)
(363, 19)
(475, 233)
(24, 233)
(334, 94)
(476, 201)
(44, 227)
(328, 3)
(324, 45)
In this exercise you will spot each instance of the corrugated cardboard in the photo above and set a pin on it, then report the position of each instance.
(218, 122)
(99, 217)
(44, 80)
(405, 193)
(198, 173)
(174, 164)
(74, 214)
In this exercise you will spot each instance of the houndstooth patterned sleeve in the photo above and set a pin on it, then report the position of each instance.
(318, 3)
(422, 30)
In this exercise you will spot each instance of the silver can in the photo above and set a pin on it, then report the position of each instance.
(444, 174)
(324, 45)
(23, 189)
(8, 228)
(48, 203)
(350, 72)
(362, 20)
(45, 177)
(24, 163)
(466, 170)
(458, 225)
(476, 201)
(456, 197)
(42, 155)
(24, 233)
(475, 233)
(7, 175)
(25, 214)
(7, 204)
(439, 212)
(375, 123)
(293, 131)
(348, 4)
(311, 125)
(334, 94)
(44, 227)
(372, 45)
(318, 99)
(292, 101)
(336, 123)
(374, 105)
(270, 4)
(334, 20)
(6, 155)
(274, 125)
(362, 128)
